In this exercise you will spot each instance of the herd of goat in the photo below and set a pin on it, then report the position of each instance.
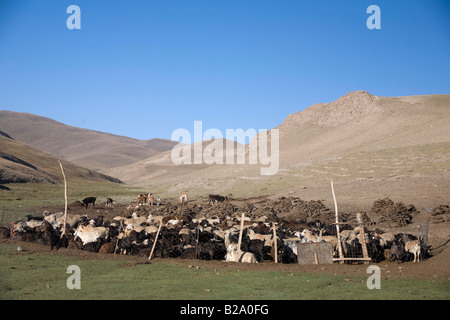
(204, 238)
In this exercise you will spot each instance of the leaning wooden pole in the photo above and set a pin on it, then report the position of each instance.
(65, 199)
(240, 232)
(341, 255)
(154, 243)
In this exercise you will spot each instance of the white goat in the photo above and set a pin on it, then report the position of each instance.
(89, 234)
(413, 246)
(57, 219)
(266, 238)
(236, 255)
(183, 198)
(309, 236)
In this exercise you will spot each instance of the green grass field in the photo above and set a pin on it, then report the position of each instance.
(26, 275)
(23, 198)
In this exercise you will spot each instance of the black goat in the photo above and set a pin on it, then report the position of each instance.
(89, 200)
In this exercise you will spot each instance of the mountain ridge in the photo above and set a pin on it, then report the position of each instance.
(21, 163)
(88, 148)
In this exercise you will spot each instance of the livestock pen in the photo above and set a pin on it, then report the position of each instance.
(37, 272)
(133, 231)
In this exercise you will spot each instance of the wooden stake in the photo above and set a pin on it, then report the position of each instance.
(275, 242)
(341, 255)
(198, 236)
(362, 238)
(241, 231)
(352, 259)
(117, 241)
(65, 199)
(154, 243)
(316, 260)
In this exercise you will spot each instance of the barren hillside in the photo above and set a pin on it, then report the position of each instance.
(20, 162)
(87, 148)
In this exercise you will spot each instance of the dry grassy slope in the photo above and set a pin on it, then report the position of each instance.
(160, 170)
(371, 146)
(378, 123)
(88, 148)
(20, 162)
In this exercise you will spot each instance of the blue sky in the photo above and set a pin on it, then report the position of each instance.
(145, 68)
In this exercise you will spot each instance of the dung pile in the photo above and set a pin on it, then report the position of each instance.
(301, 210)
(440, 214)
(387, 212)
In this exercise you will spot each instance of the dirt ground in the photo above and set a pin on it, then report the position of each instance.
(384, 214)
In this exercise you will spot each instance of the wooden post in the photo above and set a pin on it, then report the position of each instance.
(198, 236)
(65, 199)
(154, 243)
(316, 260)
(362, 238)
(275, 242)
(240, 232)
(341, 255)
(117, 241)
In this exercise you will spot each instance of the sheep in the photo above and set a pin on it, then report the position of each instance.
(235, 255)
(174, 222)
(17, 227)
(33, 223)
(266, 238)
(397, 252)
(331, 239)
(290, 248)
(151, 229)
(136, 220)
(219, 233)
(228, 234)
(107, 248)
(386, 238)
(387, 254)
(308, 235)
(184, 198)
(53, 218)
(154, 219)
(131, 227)
(413, 246)
(4, 232)
(57, 219)
(142, 199)
(90, 234)
(150, 199)
(345, 234)
(110, 202)
(213, 198)
(213, 221)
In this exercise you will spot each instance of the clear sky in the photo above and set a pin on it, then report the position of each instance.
(145, 68)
